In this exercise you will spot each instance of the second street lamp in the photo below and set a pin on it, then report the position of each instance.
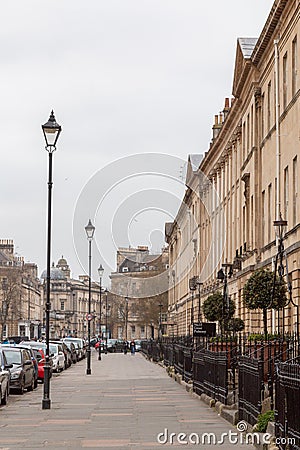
(89, 229)
(160, 322)
(100, 273)
(51, 131)
(106, 312)
(223, 276)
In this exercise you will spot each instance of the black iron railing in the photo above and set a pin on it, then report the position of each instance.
(287, 401)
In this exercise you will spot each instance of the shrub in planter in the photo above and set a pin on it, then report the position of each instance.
(260, 293)
(263, 420)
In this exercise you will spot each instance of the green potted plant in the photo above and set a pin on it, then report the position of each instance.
(260, 293)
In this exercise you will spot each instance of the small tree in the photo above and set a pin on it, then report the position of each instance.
(235, 324)
(10, 289)
(214, 309)
(258, 293)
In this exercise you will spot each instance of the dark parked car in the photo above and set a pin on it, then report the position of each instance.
(72, 350)
(22, 371)
(33, 357)
(111, 345)
(4, 378)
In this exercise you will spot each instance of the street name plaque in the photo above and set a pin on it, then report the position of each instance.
(204, 329)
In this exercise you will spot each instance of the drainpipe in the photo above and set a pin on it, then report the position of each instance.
(278, 152)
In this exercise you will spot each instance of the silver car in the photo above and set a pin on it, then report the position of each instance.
(4, 378)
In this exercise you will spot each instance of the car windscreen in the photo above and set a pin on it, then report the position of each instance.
(53, 349)
(13, 357)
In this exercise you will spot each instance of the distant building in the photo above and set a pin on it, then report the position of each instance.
(20, 297)
(69, 302)
(138, 287)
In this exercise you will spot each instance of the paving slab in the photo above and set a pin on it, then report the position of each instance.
(126, 403)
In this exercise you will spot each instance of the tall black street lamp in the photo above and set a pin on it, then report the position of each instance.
(223, 276)
(51, 131)
(90, 229)
(100, 273)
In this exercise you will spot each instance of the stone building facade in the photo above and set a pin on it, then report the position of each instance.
(248, 178)
(69, 302)
(20, 297)
(138, 294)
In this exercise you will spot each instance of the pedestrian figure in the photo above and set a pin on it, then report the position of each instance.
(125, 347)
(132, 347)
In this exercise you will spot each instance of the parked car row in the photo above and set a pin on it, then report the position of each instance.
(117, 345)
(22, 364)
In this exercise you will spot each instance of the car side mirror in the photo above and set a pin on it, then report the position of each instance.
(8, 366)
(28, 362)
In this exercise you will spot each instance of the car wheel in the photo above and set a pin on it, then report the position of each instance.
(22, 387)
(4, 399)
(31, 387)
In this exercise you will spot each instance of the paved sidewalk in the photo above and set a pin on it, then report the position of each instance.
(124, 404)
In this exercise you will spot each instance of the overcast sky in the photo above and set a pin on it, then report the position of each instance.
(124, 77)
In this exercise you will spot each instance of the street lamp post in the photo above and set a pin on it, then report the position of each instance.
(193, 287)
(199, 284)
(126, 317)
(100, 273)
(159, 329)
(106, 306)
(280, 227)
(90, 229)
(51, 131)
(223, 276)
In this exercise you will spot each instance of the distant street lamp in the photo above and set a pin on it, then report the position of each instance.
(106, 312)
(192, 287)
(51, 131)
(199, 284)
(89, 229)
(160, 322)
(126, 317)
(280, 227)
(100, 273)
(223, 276)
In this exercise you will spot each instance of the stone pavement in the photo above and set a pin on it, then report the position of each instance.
(124, 404)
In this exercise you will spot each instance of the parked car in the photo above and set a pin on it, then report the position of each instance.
(22, 371)
(94, 341)
(81, 346)
(4, 378)
(66, 351)
(137, 345)
(37, 345)
(33, 358)
(119, 345)
(102, 343)
(40, 357)
(58, 357)
(72, 349)
(111, 345)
